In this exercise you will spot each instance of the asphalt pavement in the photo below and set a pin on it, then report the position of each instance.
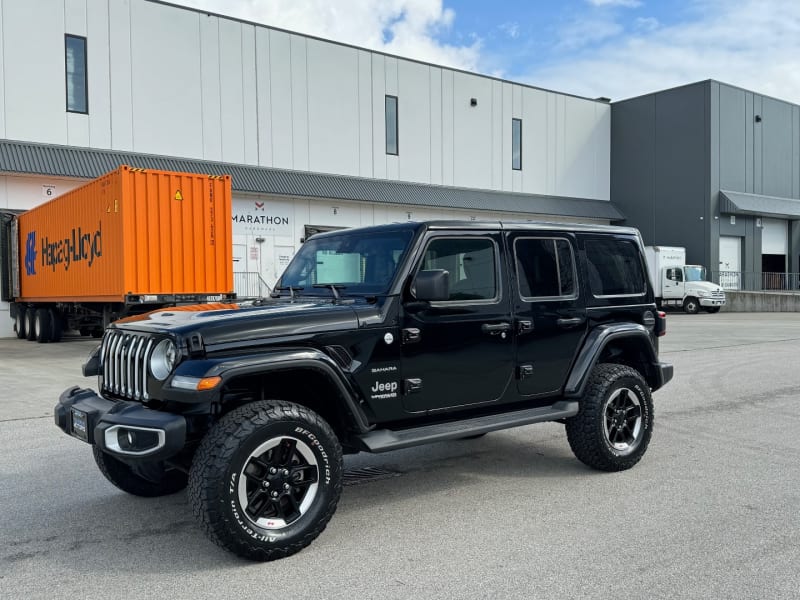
(710, 512)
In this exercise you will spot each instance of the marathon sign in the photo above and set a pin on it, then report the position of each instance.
(261, 217)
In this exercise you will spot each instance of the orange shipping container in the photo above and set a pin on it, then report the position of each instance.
(131, 232)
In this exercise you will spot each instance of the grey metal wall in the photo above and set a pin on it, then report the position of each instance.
(755, 148)
(659, 167)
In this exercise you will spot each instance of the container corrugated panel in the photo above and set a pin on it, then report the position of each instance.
(129, 232)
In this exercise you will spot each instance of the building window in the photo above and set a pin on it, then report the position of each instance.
(516, 144)
(391, 125)
(75, 68)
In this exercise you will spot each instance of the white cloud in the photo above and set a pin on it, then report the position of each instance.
(404, 27)
(511, 29)
(754, 44)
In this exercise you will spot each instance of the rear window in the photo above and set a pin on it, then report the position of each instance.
(614, 268)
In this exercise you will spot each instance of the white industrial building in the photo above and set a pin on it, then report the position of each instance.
(316, 134)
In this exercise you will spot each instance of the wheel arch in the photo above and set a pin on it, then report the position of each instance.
(313, 381)
(627, 344)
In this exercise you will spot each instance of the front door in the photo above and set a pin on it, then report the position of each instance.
(459, 352)
(549, 308)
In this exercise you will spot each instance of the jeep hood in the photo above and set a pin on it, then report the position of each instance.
(222, 324)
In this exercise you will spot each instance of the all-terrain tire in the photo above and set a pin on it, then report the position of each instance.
(614, 424)
(266, 479)
(691, 305)
(161, 482)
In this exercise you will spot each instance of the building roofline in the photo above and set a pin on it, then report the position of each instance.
(707, 82)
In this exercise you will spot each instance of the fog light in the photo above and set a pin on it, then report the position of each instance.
(134, 440)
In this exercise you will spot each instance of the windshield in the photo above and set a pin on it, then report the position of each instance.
(694, 273)
(355, 262)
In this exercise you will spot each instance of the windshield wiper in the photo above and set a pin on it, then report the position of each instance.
(290, 289)
(333, 287)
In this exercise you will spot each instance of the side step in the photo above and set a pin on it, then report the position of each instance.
(384, 440)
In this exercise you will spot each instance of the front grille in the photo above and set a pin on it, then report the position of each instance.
(717, 294)
(125, 357)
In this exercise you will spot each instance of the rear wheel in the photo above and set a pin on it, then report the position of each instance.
(266, 479)
(19, 322)
(613, 427)
(149, 480)
(56, 325)
(42, 325)
(30, 324)
(712, 309)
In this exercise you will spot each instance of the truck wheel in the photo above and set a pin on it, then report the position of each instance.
(19, 323)
(30, 324)
(266, 479)
(42, 325)
(691, 306)
(615, 422)
(712, 309)
(158, 481)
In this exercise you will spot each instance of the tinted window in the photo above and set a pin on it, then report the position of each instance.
(516, 144)
(471, 264)
(614, 268)
(391, 125)
(75, 67)
(545, 267)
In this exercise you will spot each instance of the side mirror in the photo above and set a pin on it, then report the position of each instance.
(431, 286)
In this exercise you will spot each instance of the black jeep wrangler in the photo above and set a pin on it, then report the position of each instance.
(375, 339)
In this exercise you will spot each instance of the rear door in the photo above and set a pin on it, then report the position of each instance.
(549, 308)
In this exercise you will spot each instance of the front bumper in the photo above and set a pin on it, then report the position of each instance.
(712, 301)
(124, 429)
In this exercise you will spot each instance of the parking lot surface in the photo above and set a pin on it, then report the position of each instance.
(710, 512)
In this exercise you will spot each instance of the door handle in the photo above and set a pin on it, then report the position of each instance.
(496, 329)
(567, 323)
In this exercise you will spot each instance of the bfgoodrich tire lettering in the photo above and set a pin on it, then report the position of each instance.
(266, 479)
(613, 427)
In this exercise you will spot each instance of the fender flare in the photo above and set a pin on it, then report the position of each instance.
(253, 364)
(593, 347)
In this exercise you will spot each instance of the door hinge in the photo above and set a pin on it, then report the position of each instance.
(412, 335)
(412, 386)
(525, 371)
(524, 326)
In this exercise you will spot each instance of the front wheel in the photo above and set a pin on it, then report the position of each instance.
(691, 306)
(266, 479)
(614, 424)
(149, 480)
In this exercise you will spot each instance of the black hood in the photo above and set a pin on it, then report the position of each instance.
(226, 324)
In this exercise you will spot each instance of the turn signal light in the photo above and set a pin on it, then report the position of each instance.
(208, 383)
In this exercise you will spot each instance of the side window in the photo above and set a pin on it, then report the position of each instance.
(471, 264)
(545, 267)
(614, 268)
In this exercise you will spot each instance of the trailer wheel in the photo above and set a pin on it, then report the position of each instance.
(30, 330)
(42, 325)
(56, 325)
(19, 322)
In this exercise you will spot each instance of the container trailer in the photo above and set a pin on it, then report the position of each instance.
(130, 241)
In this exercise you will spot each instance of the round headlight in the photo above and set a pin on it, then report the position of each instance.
(163, 359)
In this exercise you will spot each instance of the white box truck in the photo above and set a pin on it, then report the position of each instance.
(677, 284)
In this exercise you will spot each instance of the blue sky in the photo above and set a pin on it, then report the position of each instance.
(612, 48)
